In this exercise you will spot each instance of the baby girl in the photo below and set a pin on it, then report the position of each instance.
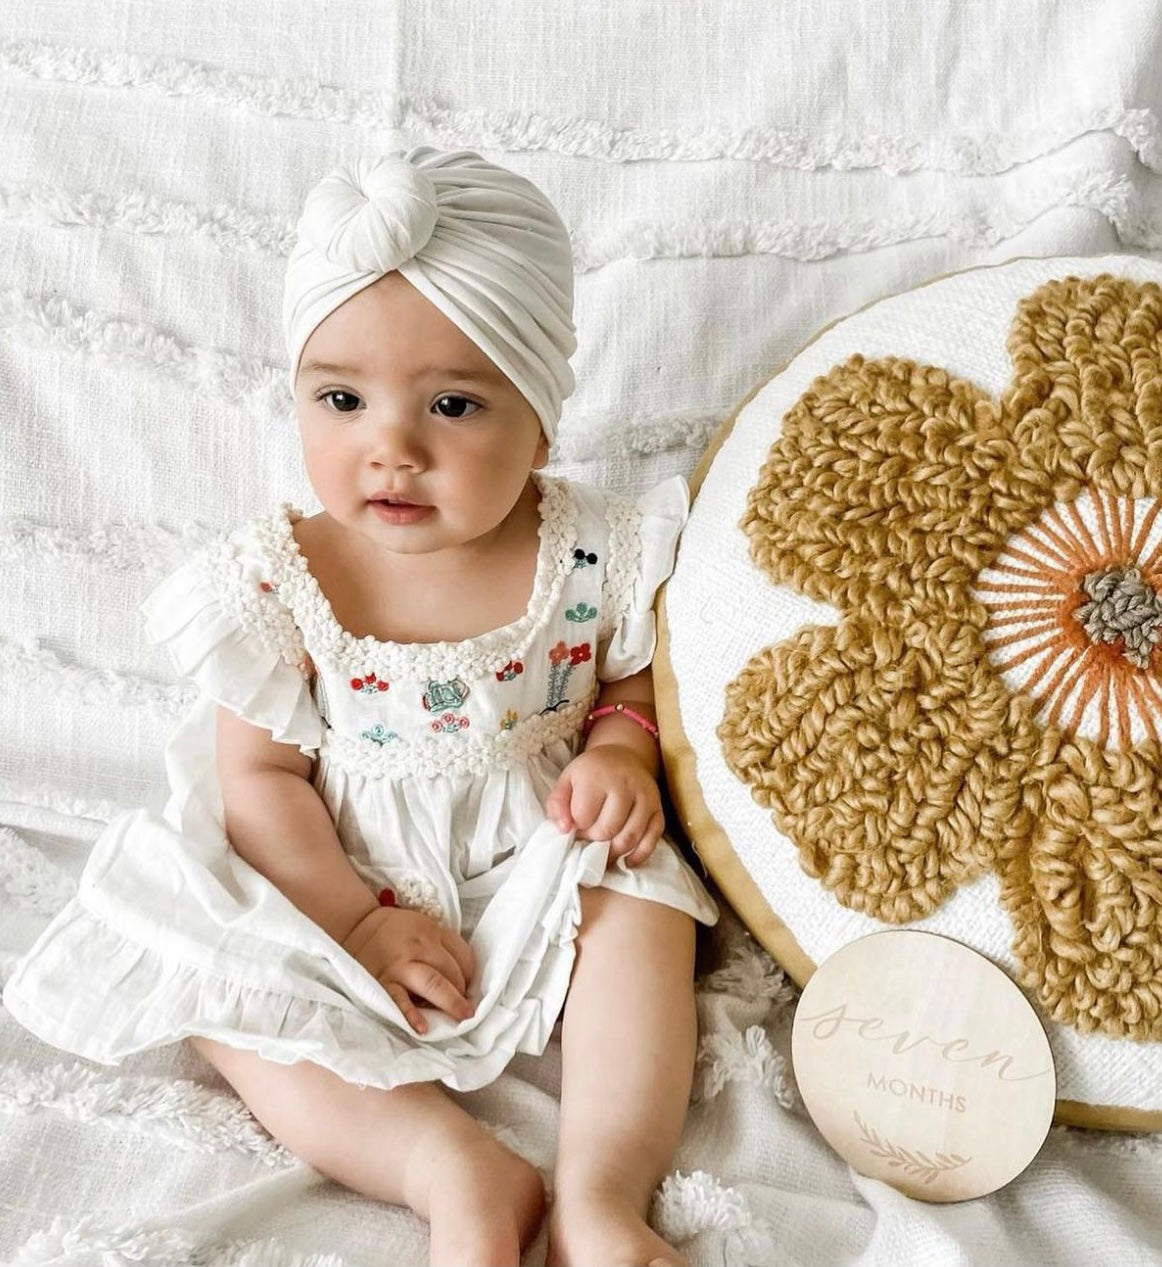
(414, 816)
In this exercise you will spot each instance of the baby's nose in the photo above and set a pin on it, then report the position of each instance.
(397, 442)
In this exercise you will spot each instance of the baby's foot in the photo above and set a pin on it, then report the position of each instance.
(484, 1205)
(594, 1227)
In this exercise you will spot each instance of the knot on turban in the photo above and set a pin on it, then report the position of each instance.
(481, 243)
(370, 216)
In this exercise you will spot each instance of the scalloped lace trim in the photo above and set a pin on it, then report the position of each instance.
(336, 648)
(455, 754)
(258, 612)
(622, 561)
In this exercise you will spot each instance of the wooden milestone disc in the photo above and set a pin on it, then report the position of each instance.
(922, 1064)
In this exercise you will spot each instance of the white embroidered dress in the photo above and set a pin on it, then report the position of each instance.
(434, 761)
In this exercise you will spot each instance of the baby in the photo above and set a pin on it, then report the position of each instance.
(415, 811)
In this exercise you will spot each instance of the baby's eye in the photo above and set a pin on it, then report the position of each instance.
(339, 401)
(455, 407)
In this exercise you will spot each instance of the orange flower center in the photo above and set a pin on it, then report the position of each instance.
(1075, 616)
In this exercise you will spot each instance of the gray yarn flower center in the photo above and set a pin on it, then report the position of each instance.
(1122, 605)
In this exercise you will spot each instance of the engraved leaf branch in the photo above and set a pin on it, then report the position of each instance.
(925, 1168)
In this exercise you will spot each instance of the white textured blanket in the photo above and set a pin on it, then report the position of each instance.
(733, 177)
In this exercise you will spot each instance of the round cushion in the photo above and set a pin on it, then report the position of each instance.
(910, 658)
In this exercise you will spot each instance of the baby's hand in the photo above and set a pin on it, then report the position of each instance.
(608, 793)
(410, 953)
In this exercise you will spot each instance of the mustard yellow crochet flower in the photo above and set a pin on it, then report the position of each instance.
(992, 695)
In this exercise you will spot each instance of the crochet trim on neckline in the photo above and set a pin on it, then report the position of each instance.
(332, 646)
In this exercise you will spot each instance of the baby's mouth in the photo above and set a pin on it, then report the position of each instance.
(398, 510)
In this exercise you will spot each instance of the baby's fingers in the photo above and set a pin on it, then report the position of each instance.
(462, 953)
(625, 837)
(448, 965)
(412, 1014)
(648, 843)
(426, 982)
(590, 807)
(557, 804)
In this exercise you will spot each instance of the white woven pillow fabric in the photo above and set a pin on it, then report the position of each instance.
(722, 610)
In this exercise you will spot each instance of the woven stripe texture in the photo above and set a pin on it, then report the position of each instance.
(734, 177)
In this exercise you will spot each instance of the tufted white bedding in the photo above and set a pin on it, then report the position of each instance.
(734, 177)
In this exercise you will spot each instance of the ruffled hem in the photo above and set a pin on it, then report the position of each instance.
(658, 517)
(325, 1007)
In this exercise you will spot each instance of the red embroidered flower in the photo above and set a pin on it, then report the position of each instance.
(507, 672)
(559, 653)
(579, 654)
(369, 685)
(266, 587)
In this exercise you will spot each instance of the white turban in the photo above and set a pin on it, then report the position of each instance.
(481, 243)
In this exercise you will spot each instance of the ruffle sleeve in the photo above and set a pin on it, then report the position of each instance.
(220, 618)
(643, 542)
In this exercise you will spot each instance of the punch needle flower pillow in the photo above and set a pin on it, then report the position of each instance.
(991, 698)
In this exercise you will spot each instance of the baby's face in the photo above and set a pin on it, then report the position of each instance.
(411, 435)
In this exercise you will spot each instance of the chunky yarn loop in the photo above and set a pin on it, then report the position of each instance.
(991, 697)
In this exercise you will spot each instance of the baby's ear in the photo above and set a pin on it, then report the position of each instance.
(541, 456)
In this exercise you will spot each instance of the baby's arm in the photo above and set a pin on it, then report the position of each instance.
(609, 791)
(278, 823)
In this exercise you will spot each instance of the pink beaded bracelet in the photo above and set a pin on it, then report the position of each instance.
(625, 711)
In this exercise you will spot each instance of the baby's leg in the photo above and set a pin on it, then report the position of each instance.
(628, 1046)
(409, 1146)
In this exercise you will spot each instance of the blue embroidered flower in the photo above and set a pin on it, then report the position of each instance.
(441, 695)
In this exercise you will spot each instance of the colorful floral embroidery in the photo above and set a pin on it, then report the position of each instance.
(377, 734)
(583, 558)
(445, 695)
(267, 587)
(509, 720)
(991, 698)
(369, 684)
(449, 724)
(509, 671)
(581, 613)
(563, 659)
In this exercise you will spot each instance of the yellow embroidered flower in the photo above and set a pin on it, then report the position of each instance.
(992, 695)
